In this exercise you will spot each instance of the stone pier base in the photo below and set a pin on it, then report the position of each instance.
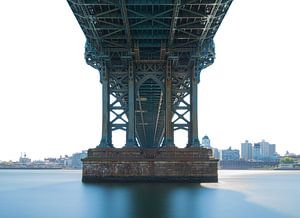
(188, 165)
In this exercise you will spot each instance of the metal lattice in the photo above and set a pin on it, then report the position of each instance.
(149, 55)
(150, 103)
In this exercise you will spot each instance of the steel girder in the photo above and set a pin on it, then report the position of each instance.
(136, 29)
(162, 101)
(149, 55)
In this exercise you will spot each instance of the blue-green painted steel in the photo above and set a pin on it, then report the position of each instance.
(149, 54)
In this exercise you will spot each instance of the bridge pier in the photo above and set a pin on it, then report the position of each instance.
(189, 165)
(175, 108)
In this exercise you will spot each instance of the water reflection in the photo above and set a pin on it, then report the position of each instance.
(142, 200)
(170, 201)
(59, 194)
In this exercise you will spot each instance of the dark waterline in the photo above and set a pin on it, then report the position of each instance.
(58, 193)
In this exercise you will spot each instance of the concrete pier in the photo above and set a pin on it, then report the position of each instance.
(188, 165)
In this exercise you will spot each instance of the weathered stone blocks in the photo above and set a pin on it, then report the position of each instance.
(193, 165)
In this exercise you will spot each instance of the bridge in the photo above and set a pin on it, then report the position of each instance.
(149, 54)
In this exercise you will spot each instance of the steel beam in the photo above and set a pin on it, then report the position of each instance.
(106, 133)
(125, 22)
(169, 136)
(130, 138)
(194, 139)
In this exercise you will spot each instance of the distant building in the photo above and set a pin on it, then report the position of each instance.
(264, 151)
(76, 159)
(244, 164)
(256, 151)
(206, 142)
(246, 151)
(216, 153)
(272, 150)
(24, 159)
(293, 155)
(65, 162)
(288, 154)
(50, 160)
(230, 154)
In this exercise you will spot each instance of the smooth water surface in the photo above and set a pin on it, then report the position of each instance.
(59, 193)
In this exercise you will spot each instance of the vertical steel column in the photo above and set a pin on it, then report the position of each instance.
(169, 132)
(194, 139)
(130, 138)
(106, 131)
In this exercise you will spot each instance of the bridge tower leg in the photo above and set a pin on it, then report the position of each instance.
(130, 138)
(194, 138)
(106, 133)
(169, 130)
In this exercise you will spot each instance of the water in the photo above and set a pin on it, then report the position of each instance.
(58, 193)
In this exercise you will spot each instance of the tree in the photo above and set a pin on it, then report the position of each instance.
(288, 160)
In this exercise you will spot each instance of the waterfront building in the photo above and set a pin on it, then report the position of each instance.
(24, 159)
(288, 154)
(272, 150)
(216, 153)
(244, 164)
(264, 151)
(246, 150)
(206, 142)
(256, 151)
(76, 159)
(230, 154)
(264, 148)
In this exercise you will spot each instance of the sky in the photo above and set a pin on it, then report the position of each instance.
(50, 99)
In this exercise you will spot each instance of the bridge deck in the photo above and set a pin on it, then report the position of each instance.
(150, 30)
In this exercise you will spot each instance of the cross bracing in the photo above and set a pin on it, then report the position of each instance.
(147, 26)
(150, 54)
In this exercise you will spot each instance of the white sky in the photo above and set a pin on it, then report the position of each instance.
(50, 100)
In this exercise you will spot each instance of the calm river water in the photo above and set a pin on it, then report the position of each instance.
(239, 194)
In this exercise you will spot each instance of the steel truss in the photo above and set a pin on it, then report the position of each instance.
(138, 94)
(150, 55)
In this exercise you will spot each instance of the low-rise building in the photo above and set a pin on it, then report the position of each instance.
(216, 153)
(206, 142)
(230, 154)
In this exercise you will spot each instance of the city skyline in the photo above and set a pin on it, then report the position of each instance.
(213, 147)
(51, 100)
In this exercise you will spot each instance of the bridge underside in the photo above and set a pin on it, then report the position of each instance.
(149, 55)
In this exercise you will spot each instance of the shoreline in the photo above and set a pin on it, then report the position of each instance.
(32, 168)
